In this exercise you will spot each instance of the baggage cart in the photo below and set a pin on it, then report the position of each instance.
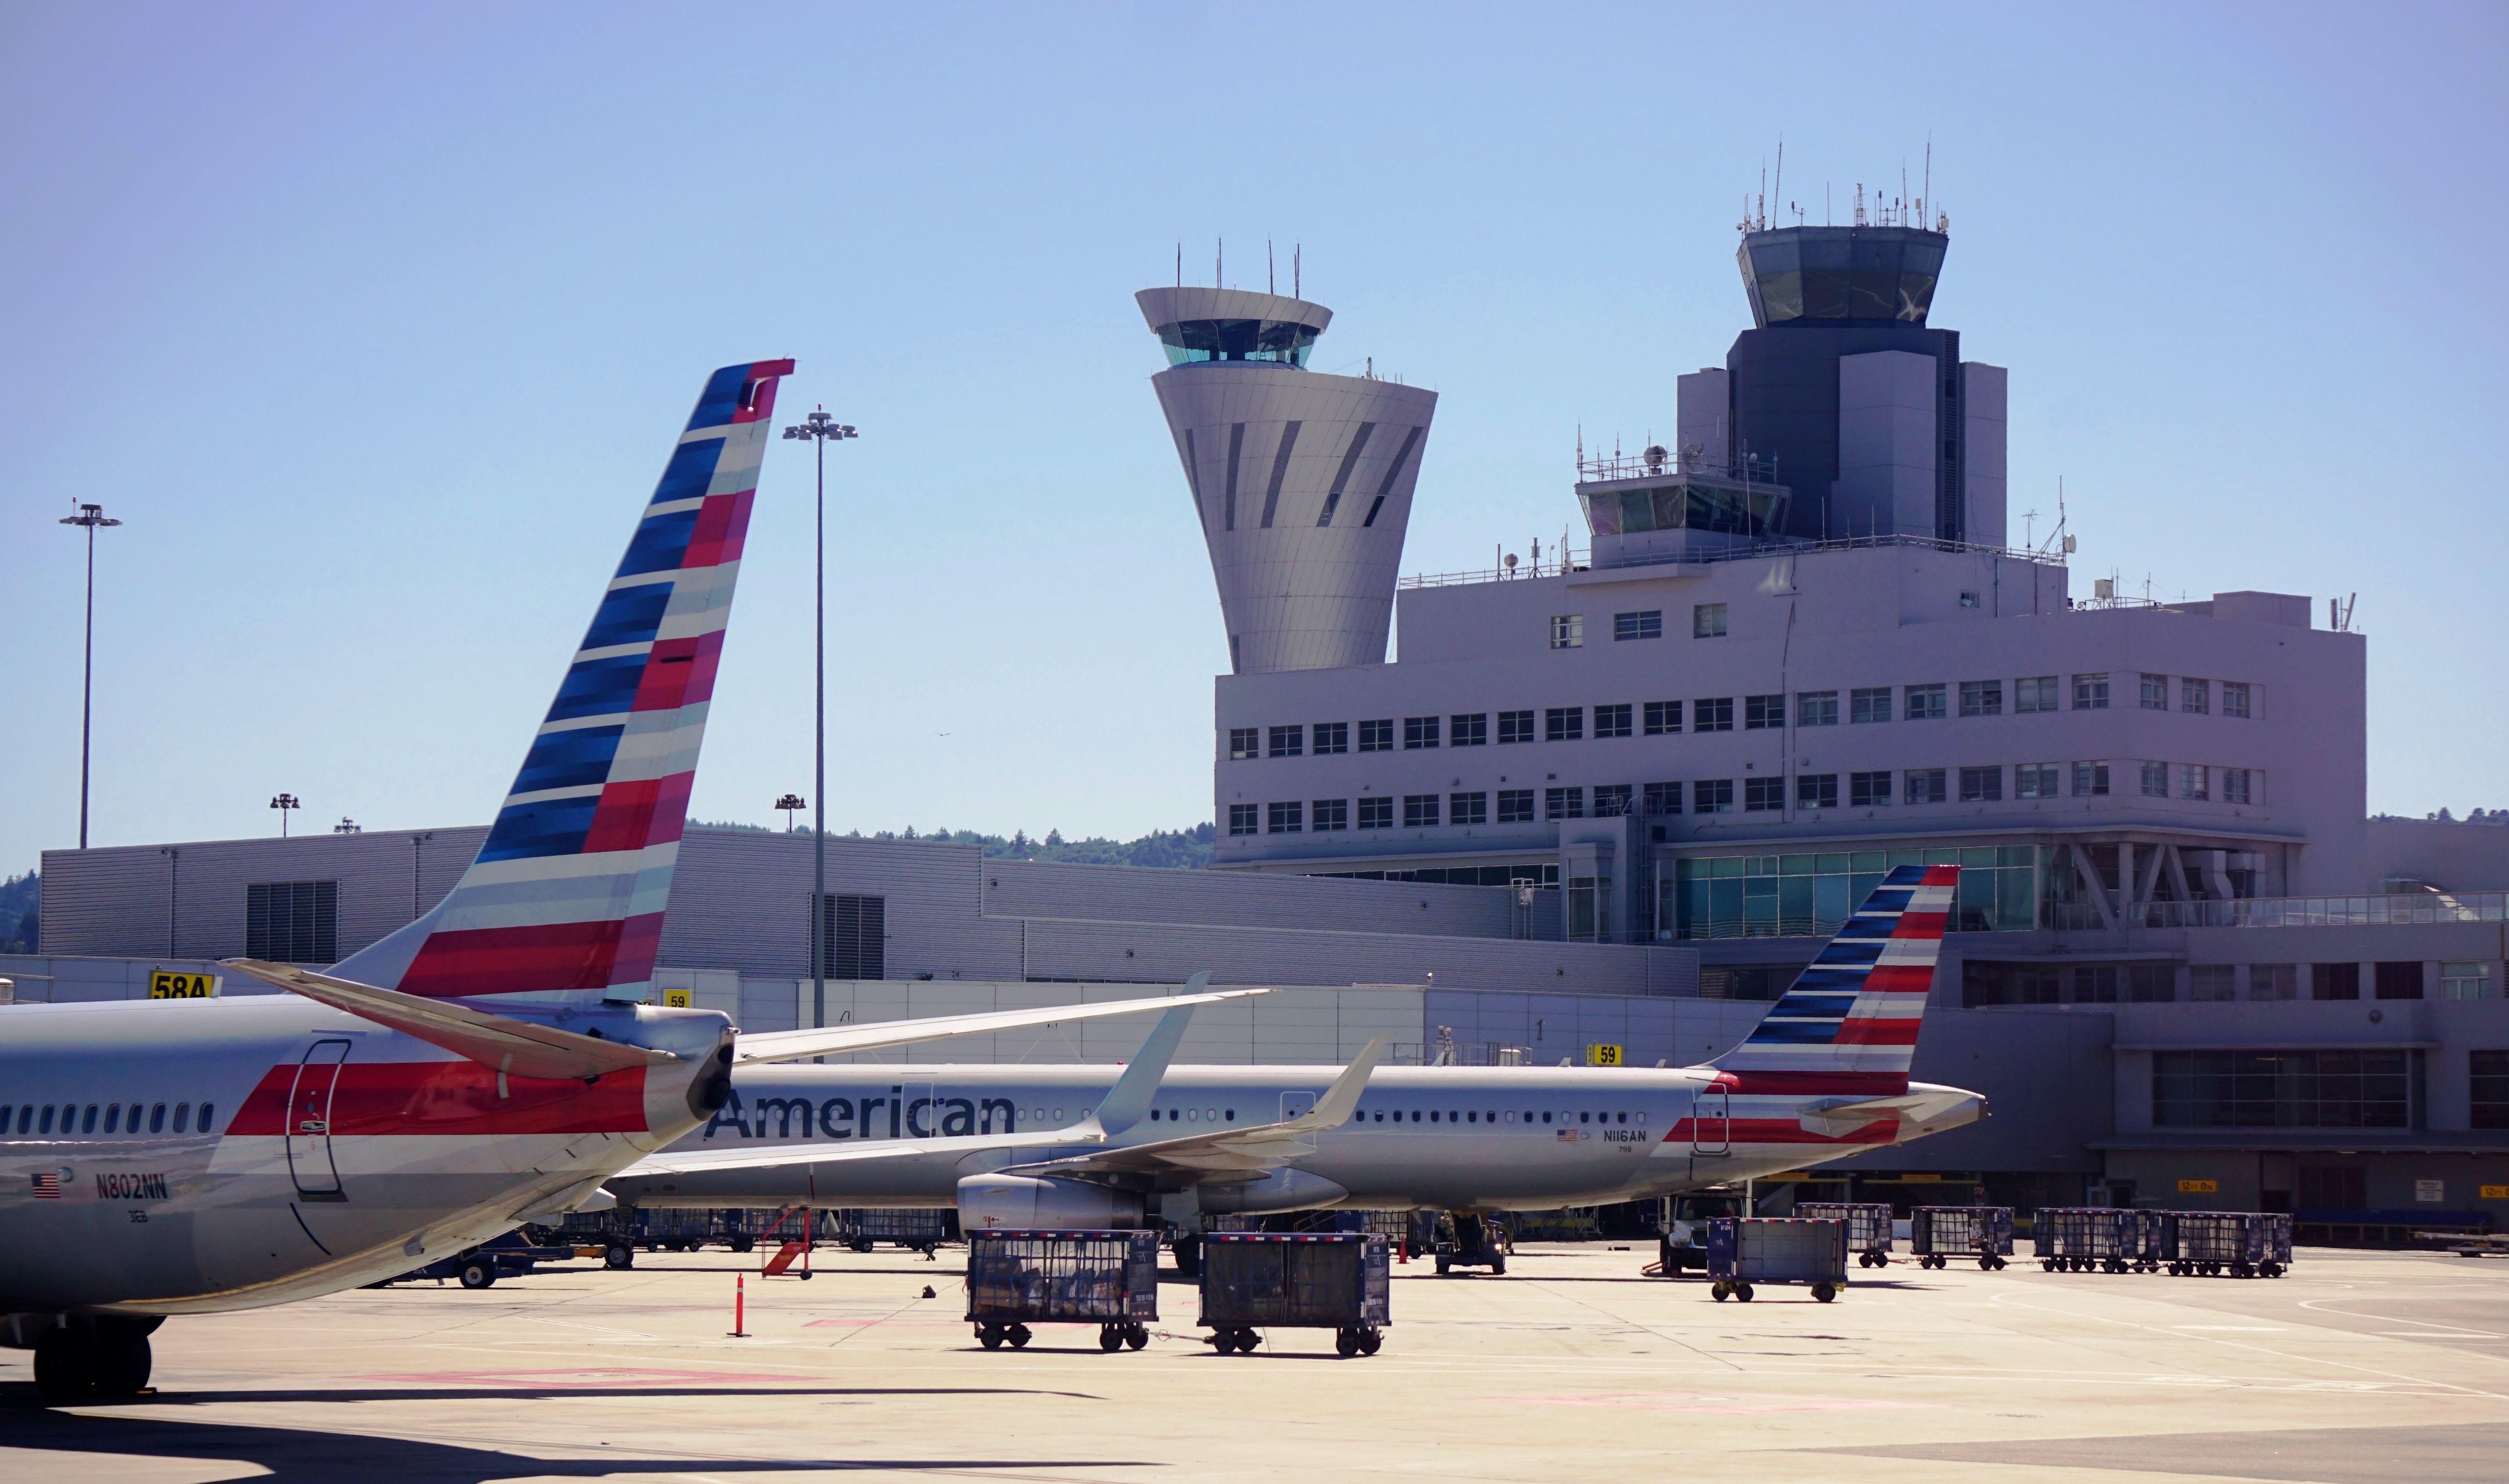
(918, 1228)
(1017, 1279)
(2085, 1239)
(1868, 1227)
(1937, 1234)
(1747, 1250)
(1336, 1281)
(2240, 1244)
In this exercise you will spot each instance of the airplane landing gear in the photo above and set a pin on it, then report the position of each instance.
(94, 1358)
(1188, 1256)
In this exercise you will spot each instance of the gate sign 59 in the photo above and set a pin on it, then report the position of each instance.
(1602, 1054)
(176, 985)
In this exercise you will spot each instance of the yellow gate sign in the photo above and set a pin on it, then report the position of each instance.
(1602, 1054)
(2495, 1192)
(2199, 1187)
(176, 985)
(677, 999)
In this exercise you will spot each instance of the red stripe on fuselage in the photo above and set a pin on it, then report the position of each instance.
(1783, 1131)
(1815, 1084)
(452, 1098)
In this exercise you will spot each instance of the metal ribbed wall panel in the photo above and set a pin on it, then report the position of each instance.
(742, 901)
(1163, 952)
(1244, 899)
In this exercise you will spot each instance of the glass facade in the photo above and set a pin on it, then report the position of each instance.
(2287, 1088)
(1811, 894)
(1688, 504)
(1872, 274)
(1280, 341)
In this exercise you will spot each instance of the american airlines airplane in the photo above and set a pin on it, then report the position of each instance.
(1824, 1075)
(176, 1156)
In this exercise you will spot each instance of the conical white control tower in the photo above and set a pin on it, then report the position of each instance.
(1302, 481)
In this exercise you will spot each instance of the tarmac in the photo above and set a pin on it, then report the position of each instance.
(2357, 1368)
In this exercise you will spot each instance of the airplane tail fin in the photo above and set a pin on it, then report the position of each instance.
(564, 902)
(1850, 1022)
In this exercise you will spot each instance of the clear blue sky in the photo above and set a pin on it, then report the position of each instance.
(375, 323)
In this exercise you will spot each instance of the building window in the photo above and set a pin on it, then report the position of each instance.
(1815, 791)
(1419, 812)
(1331, 814)
(1612, 720)
(1763, 713)
(2488, 1089)
(1568, 631)
(2274, 982)
(2193, 780)
(853, 937)
(1817, 708)
(1419, 732)
(292, 922)
(1468, 730)
(1376, 814)
(1981, 785)
(1563, 724)
(1662, 718)
(1711, 795)
(1376, 736)
(2034, 692)
(1662, 798)
(1515, 726)
(2035, 780)
(2467, 981)
(2195, 696)
(2151, 984)
(1468, 808)
(1646, 625)
(1982, 698)
(1244, 819)
(2212, 982)
(2156, 780)
(1288, 818)
(1708, 621)
(2154, 696)
(1611, 800)
(1244, 742)
(1515, 806)
(2092, 691)
(2095, 985)
(1866, 791)
(1926, 703)
(1289, 741)
(1868, 703)
(2334, 982)
(2401, 980)
(2235, 699)
(1926, 785)
(1786, 896)
(2237, 785)
(1331, 737)
(1712, 714)
(1968, 599)
(1760, 795)
(1564, 803)
(2090, 780)
(2286, 1089)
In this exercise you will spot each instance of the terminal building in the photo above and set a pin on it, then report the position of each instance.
(1618, 796)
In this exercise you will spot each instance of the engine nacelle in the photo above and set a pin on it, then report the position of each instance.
(1023, 1202)
(1282, 1189)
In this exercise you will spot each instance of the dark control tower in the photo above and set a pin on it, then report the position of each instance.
(1843, 392)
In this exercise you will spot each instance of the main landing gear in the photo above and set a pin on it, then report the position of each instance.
(94, 1358)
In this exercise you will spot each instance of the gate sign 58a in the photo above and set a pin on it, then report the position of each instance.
(176, 985)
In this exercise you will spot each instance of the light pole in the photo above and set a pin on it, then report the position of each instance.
(820, 429)
(90, 516)
(788, 803)
(282, 804)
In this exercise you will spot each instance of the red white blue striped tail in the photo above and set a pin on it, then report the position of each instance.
(1851, 1018)
(564, 902)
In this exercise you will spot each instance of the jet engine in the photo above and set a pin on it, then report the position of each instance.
(1025, 1203)
(1282, 1189)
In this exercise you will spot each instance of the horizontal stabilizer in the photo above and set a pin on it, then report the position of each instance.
(498, 1041)
(1914, 1109)
(835, 1040)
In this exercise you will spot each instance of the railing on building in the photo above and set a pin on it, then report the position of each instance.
(1447, 1051)
(1568, 559)
(2398, 910)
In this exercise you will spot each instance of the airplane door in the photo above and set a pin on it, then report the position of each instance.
(309, 1122)
(1711, 1122)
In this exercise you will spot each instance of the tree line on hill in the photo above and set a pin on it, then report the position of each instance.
(1159, 850)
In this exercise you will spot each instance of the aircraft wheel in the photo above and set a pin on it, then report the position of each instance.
(1824, 1292)
(479, 1273)
(123, 1361)
(619, 1256)
(1345, 1343)
(1020, 1335)
(1188, 1256)
(64, 1367)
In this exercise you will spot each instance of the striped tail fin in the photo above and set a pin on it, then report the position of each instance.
(564, 902)
(1853, 1015)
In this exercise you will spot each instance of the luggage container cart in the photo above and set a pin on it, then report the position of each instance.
(1017, 1279)
(1336, 1281)
(1744, 1250)
(1937, 1234)
(1868, 1227)
(2240, 1244)
(918, 1227)
(2084, 1239)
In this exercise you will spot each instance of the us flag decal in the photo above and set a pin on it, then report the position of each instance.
(48, 1185)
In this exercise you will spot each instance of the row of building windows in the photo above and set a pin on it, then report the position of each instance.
(1875, 788)
(1857, 706)
(2141, 983)
(68, 1120)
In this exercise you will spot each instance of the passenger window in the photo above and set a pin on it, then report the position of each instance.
(182, 1116)
(26, 1117)
(1585, 1118)
(1623, 1118)
(1491, 1116)
(157, 1119)
(1545, 1115)
(1474, 1117)
(112, 1118)
(207, 1109)
(44, 1125)
(86, 1121)
(1433, 1114)
(1416, 1115)
(1230, 1115)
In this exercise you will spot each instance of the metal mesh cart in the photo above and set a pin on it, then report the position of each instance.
(1336, 1281)
(2085, 1239)
(2240, 1244)
(1937, 1234)
(918, 1228)
(1018, 1278)
(1745, 1251)
(1868, 1227)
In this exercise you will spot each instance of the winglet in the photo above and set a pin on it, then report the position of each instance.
(1130, 1097)
(1341, 1099)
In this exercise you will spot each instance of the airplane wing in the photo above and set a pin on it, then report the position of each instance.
(509, 1045)
(1229, 1152)
(833, 1040)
